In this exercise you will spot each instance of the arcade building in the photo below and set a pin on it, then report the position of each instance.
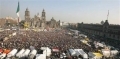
(104, 30)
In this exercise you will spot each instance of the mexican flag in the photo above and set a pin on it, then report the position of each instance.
(18, 9)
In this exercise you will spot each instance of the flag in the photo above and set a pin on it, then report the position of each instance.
(18, 9)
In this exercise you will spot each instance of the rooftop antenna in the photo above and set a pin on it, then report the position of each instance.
(107, 14)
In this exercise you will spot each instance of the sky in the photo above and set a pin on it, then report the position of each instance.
(72, 11)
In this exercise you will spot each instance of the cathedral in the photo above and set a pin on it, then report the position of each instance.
(40, 21)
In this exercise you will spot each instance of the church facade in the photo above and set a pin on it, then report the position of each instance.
(40, 21)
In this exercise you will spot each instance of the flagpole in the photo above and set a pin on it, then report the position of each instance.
(18, 23)
(18, 9)
(107, 14)
(18, 20)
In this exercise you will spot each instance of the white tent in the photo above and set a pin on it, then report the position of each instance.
(32, 54)
(19, 54)
(106, 52)
(40, 56)
(12, 53)
(100, 44)
(91, 55)
(72, 52)
(82, 35)
(114, 52)
(25, 54)
(46, 51)
(85, 56)
(2, 55)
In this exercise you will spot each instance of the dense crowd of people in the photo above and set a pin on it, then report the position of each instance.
(37, 39)
(51, 39)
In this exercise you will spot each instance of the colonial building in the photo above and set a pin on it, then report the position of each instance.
(103, 30)
(7, 22)
(27, 14)
(40, 22)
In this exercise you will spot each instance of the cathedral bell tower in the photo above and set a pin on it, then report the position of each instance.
(43, 16)
(43, 19)
(27, 14)
(27, 18)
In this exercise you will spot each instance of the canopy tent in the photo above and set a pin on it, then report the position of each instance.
(26, 53)
(82, 53)
(94, 55)
(46, 51)
(114, 52)
(32, 54)
(6, 51)
(19, 54)
(106, 52)
(72, 52)
(40, 56)
(98, 54)
(12, 53)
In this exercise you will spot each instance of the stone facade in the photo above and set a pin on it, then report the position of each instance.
(5, 23)
(103, 30)
(40, 22)
(27, 14)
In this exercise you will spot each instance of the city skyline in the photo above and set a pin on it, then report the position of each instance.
(68, 11)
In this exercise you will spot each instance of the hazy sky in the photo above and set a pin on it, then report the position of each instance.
(87, 11)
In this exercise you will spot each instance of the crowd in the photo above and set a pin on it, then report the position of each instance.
(4, 34)
(51, 39)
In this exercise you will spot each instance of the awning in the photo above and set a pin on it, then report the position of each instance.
(6, 51)
(98, 54)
